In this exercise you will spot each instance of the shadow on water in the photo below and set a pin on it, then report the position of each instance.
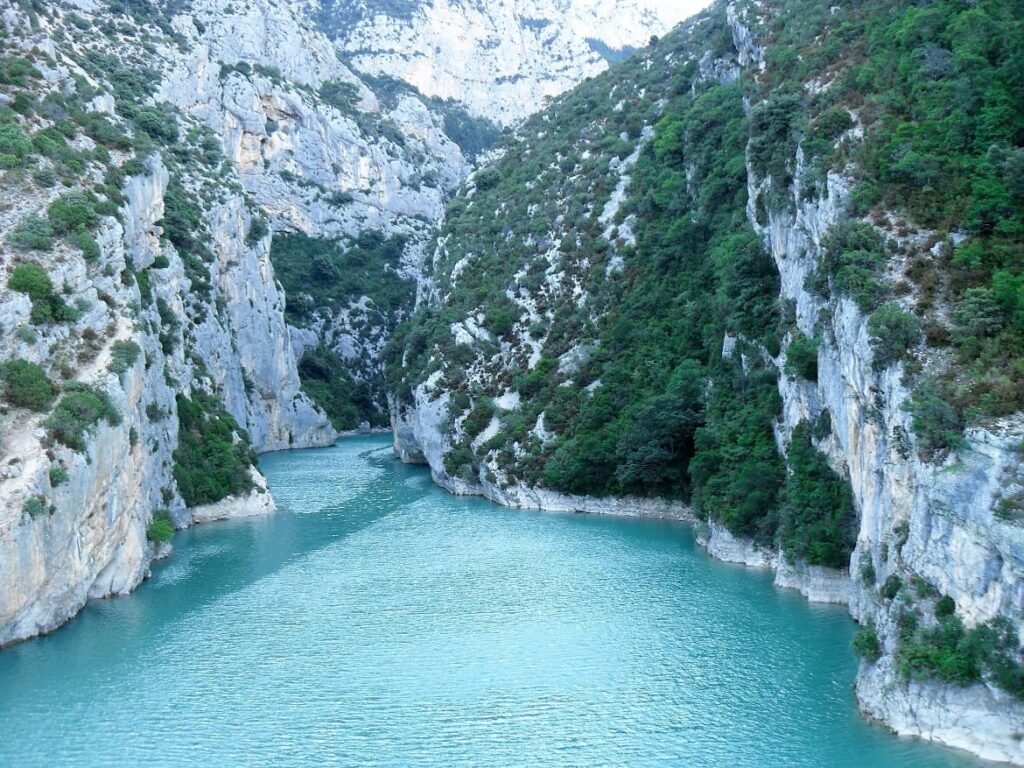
(378, 620)
(237, 552)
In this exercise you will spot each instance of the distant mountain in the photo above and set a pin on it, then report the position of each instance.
(501, 59)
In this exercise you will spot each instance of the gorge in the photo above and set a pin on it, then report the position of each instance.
(761, 272)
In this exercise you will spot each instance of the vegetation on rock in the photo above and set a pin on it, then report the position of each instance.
(26, 385)
(213, 459)
(78, 412)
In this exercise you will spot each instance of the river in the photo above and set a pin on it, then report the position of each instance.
(378, 621)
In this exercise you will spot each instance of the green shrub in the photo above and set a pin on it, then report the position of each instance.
(894, 334)
(852, 259)
(213, 458)
(36, 506)
(501, 317)
(103, 131)
(160, 124)
(155, 413)
(460, 462)
(44, 177)
(999, 647)
(891, 587)
(487, 178)
(183, 226)
(15, 146)
(867, 573)
(58, 475)
(831, 123)
(817, 517)
(479, 417)
(257, 231)
(73, 212)
(802, 358)
(123, 356)
(978, 316)
(78, 412)
(17, 70)
(26, 334)
(25, 385)
(31, 279)
(33, 233)
(866, 644)
(944, 652)
(822, 425)
(340, 95)
(160, 528)
(938, 423)
(944, 607)
(85, 241)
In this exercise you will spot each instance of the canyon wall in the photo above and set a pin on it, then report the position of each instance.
(930, 523)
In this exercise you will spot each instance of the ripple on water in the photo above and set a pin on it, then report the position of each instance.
(377, 621)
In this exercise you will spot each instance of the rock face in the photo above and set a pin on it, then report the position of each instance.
(291, 148)
(500, 59)
(816, 583)
(916, 519)
(315, 148)
(91, 542)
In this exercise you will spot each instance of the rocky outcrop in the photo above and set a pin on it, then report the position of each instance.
(315, 148)
(90, 539)
(975, 718)
(292, 150)
(247, 348)
(817, 584)
(256, 503)
(419, 439)
(502, 60)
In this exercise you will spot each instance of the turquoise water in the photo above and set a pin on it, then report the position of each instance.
(377, 621)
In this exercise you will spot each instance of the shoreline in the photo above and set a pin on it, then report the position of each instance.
(880, 695)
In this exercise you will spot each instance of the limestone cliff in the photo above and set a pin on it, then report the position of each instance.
(166, 297)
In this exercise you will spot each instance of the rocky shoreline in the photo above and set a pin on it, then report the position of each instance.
(979, 719)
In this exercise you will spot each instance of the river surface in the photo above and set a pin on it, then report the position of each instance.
(378, 621)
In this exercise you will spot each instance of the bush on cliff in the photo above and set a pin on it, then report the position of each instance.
(160, 528)
(78, 412)
(25, 385)
(213, 458)
(31, 279)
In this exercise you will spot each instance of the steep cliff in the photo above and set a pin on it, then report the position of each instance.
(732, 247)
(103, 292)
